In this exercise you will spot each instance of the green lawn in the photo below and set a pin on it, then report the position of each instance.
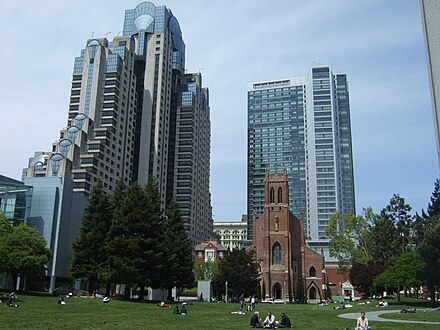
(43, 312)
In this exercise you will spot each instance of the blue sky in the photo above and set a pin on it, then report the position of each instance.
(378, 43)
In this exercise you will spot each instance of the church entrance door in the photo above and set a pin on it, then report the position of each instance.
(276, 290)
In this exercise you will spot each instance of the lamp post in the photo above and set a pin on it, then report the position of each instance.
(226, 296)
(286, 273)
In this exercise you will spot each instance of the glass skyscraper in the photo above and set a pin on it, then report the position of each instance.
(302, 125)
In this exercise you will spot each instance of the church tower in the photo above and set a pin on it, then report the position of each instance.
(281, 252)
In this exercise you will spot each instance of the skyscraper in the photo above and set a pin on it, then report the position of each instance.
(302, 125)
(134, 113)
(431, 29)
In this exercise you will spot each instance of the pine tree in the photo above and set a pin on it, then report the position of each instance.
(90, 258)
(135, 241)
(178, 250)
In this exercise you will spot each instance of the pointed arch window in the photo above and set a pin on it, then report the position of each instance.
(280, 195)
(277, 254)
(272, 195)
(312, 272)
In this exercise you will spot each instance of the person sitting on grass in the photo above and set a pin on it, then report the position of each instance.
(284, 322)
(176, 310)
(61, 300)
(183, 310)
(106, 300)
(362, 322)
(269, 321)
(255, 321)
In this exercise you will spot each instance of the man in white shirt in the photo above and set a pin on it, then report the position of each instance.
(269, 321)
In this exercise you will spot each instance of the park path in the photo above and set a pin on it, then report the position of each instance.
(374, 316)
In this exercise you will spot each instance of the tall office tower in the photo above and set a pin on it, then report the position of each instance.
(98, 141)
(189, 161)
(302, 125)
(134, 113)
(431, 28)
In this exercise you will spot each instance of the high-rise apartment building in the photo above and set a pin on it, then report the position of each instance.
(302, 125)
(135, 113)
(431, 29)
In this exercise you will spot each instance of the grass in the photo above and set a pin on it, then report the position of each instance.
(43, 312)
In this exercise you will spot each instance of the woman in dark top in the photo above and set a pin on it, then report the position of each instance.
(285, 322)
(255, 321)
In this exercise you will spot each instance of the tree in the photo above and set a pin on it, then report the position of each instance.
(397, 211)
(348, 237)
(90, 258)
(178, 249)
(136, 241)
(429, 249)
(408, 271)
(206, 271)
(241, 272)
(383, 246)
(361, 275)
(23, 252)
(5, 225)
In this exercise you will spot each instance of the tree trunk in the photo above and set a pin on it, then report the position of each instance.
(127, 292)
(141, 292)
(432, 294)
(107, 289)
(398, 293)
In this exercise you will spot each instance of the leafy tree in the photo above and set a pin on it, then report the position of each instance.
(90, 258)
(23, 252)
(348, 237)
(408, 271)
(178, 249)
(429, 249)
(361, 275)
(241, 272)
(206, 271)
(5, 225)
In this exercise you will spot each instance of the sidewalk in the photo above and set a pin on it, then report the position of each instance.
(374, 316)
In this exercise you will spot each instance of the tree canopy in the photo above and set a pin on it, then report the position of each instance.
(23, 252)
(240, 271)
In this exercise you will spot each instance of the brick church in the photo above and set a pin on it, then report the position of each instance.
(289, 269)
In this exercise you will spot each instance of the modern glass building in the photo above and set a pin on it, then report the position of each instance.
(302, 125)
(15, 199)
(135, 113)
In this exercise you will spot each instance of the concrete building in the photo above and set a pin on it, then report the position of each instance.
(134, 113)
(431, 28)
(302, 124)
(232, 234)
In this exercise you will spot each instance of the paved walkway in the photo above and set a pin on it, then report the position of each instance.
(374, 316)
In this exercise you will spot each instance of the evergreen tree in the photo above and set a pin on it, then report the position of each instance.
(429, 249)
(383, 245)
(135, 242)
(398, 212)
(178, 250)
(90, 258)
(434, 205)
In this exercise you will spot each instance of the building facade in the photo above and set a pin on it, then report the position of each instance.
(134, 114)
(289, 269)
(232, 234)
(431, 28)
(302, 124)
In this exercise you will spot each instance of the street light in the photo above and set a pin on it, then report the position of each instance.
(226, 296)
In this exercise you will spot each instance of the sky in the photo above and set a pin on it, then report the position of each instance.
(379, 44)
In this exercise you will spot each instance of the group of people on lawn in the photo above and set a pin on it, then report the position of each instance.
(269, 321)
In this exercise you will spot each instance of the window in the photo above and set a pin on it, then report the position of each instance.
(272, 195)
(200, 254)
(312, 272)
(210, 255)
(276, 254)
(280, 195)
